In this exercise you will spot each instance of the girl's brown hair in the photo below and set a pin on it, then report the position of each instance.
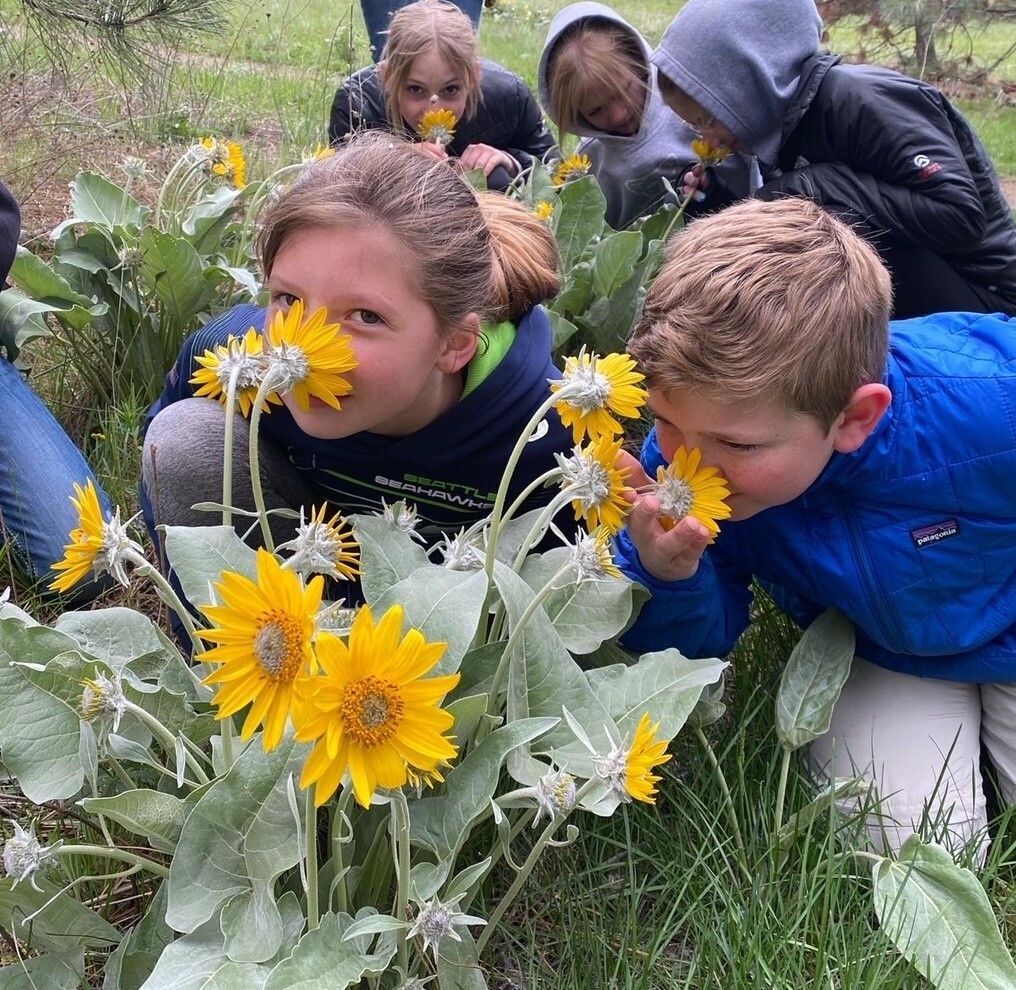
(472, 253)
(592, 58)
(421, 27)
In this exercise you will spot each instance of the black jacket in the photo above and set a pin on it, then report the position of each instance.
(508, 117)
(873, 145)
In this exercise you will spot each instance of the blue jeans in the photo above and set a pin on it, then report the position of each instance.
(377, 14)
(38, 467)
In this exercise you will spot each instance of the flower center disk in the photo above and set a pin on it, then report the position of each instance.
(277, 646)
(371, 710)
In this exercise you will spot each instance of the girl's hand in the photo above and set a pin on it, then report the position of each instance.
(488, 158)
(430, 148)
(695, 182)
(669, 555)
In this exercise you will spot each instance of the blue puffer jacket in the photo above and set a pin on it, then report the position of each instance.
(913, 536)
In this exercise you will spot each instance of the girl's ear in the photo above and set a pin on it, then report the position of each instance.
(460, 345)
(382, 71)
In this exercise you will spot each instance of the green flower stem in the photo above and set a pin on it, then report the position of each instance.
(781, 791)
(167, 594)
(261, 191)
(513, 639)
(502, 490)
(338, 840)
(166, 739)
(255, 467)
(509, 513)
(400, 838)
(226, 733)
(677, 216)
(118, 771)
(120, 855)
(558, 502)
(227, 449)
(728, 801)
(313, 917)
(527, 867)
(517, 827)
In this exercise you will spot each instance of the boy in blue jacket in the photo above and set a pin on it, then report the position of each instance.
(870, 471)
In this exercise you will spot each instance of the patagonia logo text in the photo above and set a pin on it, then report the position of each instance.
(924, 536)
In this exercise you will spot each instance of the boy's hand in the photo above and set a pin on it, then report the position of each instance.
(668, 555)
(695, 182)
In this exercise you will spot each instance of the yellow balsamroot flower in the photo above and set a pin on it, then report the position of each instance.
(590, 557)
(628, 770)
(323, 546)
(593, 390)
(227, 160)
(572, 167)
(598, 485)
(685, 488)
(370, 713)
(709, 153)
(308, 357)
(97, 545)
(246, 356)
(544, 210)
(437, 126)
(319, 151)
(645, 754)
(263, 637)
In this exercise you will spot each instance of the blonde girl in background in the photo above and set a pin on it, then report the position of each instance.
(431, 62)
(596, 81)
(438, 288)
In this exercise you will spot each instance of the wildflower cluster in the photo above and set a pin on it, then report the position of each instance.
(363, 701)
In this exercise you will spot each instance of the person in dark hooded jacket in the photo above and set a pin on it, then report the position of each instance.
(885, 152)
(430, 64)
(39, 464)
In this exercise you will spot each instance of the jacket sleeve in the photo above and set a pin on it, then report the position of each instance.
(894, 162)
(702, 617)
(340, 120)
(531, 138)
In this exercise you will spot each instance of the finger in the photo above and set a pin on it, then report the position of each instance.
(643, 521)
(687, 540)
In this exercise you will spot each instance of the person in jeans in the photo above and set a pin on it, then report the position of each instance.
(39, 463)
(377, 14)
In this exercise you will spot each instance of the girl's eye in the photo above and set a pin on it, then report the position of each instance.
(414, 90)
(285, 299)
(451, 90)
(367, 317)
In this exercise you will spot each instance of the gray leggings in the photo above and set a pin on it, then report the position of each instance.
(182, 465)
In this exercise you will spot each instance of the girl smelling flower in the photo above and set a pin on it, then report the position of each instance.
(417, 299)
(430, 64)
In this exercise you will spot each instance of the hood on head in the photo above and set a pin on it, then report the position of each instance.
(741, 61)
(563, 20)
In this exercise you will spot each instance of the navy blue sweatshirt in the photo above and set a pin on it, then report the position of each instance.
(449, 470)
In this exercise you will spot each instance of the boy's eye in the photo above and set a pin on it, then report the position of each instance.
(741, 447)
(286, 299)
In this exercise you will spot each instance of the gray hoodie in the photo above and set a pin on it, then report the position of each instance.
(628, 169)
(742, 63)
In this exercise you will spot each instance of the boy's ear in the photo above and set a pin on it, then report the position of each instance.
(866, 407)
(460, 345)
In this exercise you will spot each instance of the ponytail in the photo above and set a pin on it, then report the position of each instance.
(526, 268)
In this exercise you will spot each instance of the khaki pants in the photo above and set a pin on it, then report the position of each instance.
(919, 741)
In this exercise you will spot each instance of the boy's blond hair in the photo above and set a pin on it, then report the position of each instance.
(592, 58)
(768, 301)
(421, 27)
